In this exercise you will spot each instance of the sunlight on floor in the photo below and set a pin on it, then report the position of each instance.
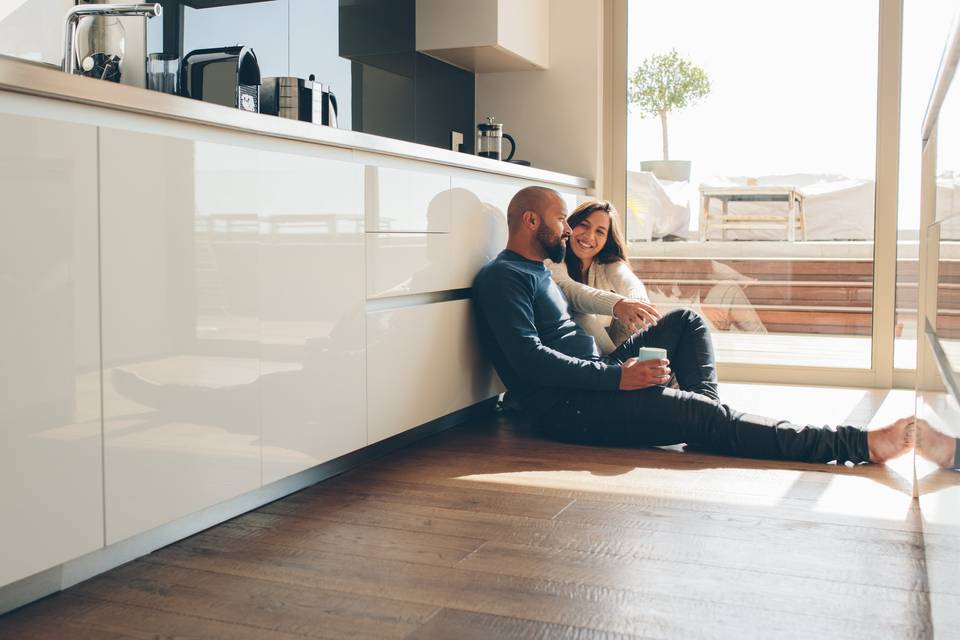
(878, 492)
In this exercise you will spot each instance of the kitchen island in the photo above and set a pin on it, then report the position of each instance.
(207, 309)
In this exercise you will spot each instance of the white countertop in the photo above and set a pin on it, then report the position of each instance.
(42, 80)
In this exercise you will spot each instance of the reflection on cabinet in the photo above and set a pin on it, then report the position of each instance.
(312, 310)
(423, 362)
(407, 200)
(50, 433)
(180, 330)
(401, 264)
(233, 320)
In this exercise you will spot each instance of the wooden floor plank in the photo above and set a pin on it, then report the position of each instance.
(73, 617)
(846, 499)
(830, 595)
(267, 606)
(339, 537)
(467, 625)
(554, 602)
(414, 510)
(355, 485)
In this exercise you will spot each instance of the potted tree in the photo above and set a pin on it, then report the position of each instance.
(661, 84)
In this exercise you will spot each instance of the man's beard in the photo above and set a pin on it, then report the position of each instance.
(555, 248)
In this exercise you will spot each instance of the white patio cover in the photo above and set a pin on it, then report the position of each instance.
(837, 207)
(656, 208)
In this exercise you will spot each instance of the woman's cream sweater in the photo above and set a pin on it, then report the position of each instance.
(592, 303)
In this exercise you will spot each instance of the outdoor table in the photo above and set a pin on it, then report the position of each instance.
(755, 193)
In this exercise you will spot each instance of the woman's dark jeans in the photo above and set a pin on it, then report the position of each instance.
(692, 414)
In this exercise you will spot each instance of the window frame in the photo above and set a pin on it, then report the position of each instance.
(612, 183)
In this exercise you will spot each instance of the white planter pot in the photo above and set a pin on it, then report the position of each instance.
(675, 170)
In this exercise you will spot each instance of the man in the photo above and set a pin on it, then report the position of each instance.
(553, 368)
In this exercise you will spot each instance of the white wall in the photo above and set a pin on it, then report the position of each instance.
(33, 29)
(555, 114)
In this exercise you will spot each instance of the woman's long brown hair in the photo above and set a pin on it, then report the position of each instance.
(613, 249)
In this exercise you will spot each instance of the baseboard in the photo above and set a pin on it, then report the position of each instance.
(63, 576)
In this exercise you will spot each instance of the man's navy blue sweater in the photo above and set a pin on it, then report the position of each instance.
(525, 328)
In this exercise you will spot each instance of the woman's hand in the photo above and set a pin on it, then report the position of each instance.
(640, 374)
(635, 314)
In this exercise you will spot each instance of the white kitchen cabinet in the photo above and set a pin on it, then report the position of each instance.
(406, 263)
(423, 362)
(50, 429)
(180, 269)
(409, 263)
(486, 36)
(404, 197)
(312, 307)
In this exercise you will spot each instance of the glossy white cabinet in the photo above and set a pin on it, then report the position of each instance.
(402, 264)
(51, 505)
(312, 307)
(180, 254)
(423, 362)
(406, 197)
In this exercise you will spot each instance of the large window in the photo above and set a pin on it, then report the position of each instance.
(762, 218)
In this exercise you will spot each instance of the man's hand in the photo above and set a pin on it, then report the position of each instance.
(640, 374)
(635, 314)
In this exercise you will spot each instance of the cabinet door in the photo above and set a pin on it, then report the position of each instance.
(180, 327)
(404, 196)
(423, 362)
(50, 430)
(311, 307)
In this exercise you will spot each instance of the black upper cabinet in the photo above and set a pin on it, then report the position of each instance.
(444, 103)
(377, 27)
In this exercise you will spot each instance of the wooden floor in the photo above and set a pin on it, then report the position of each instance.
(487, 531)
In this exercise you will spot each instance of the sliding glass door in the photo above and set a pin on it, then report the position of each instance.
(751, 172)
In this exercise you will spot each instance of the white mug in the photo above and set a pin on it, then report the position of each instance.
(652, 353)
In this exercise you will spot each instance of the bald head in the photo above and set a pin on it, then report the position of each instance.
(536, 199)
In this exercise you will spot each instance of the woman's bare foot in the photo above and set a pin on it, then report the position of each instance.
(936, 447)
(891, 441)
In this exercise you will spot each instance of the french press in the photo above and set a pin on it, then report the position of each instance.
(490, 137)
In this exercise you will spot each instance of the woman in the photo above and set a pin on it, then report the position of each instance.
(596, 275)
(596, 257)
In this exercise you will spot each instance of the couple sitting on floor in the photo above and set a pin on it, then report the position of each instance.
(577, 377)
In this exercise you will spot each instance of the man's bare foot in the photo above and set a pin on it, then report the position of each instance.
(891, 441)
(936, 447)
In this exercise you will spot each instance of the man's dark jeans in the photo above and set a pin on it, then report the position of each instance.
(692, 414)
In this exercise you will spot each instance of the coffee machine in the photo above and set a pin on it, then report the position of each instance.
(223, 75)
